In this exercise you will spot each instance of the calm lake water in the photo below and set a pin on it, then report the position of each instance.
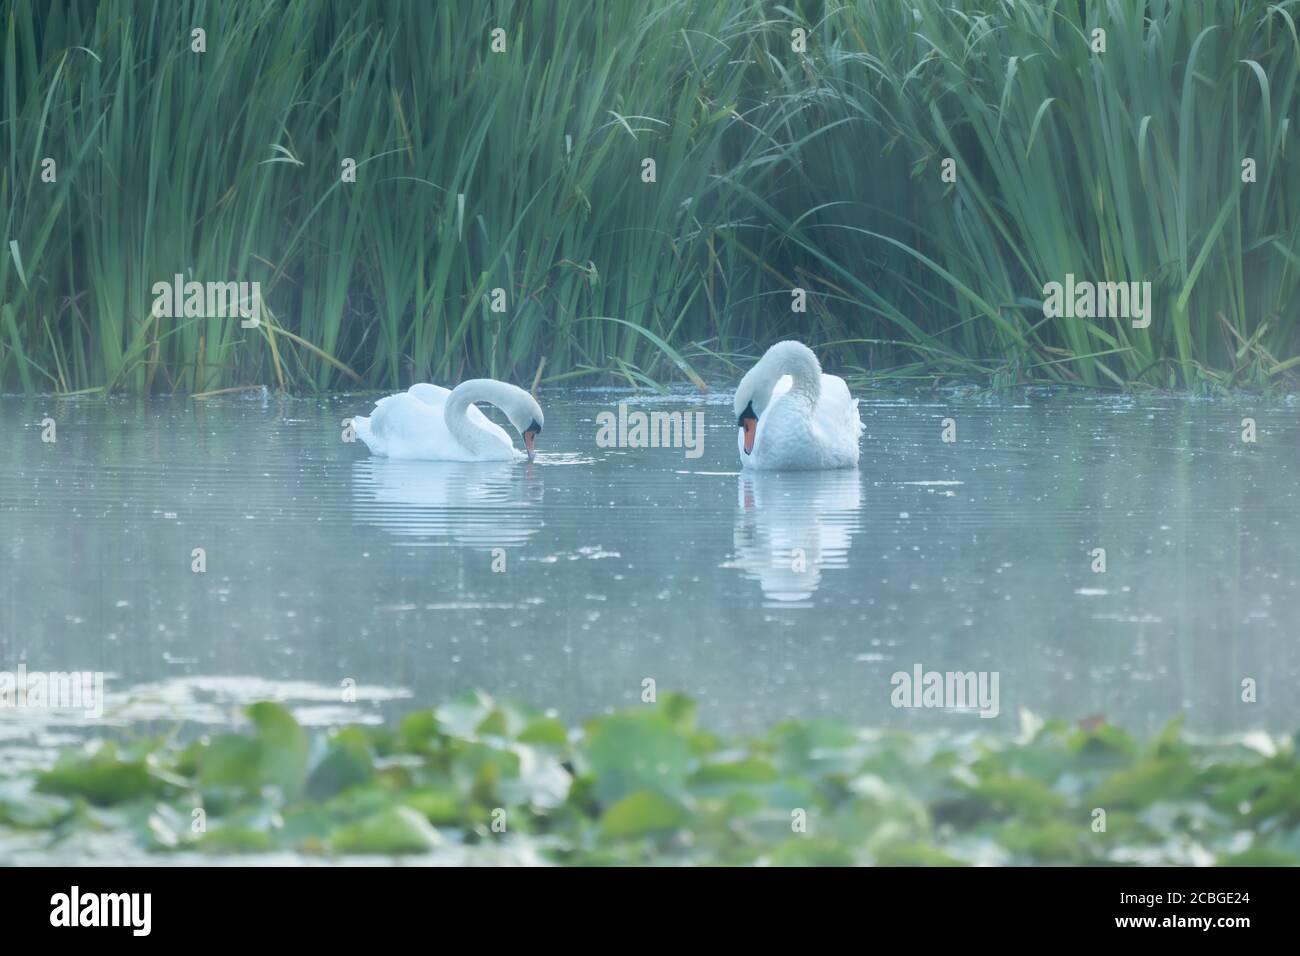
(324, 564)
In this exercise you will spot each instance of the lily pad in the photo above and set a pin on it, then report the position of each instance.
(396, 830)
(641, 814)
(100, 776)
(627, 753)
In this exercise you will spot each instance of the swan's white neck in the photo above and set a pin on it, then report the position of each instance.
(474, 437)
(796, 360)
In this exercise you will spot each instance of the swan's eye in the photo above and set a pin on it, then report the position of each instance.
(747, 413)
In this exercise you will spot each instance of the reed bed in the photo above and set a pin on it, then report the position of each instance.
(523, 171)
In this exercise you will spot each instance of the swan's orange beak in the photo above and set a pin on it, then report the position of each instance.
(529, 438)
(750, 425)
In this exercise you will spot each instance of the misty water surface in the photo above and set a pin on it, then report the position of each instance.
(324, 564)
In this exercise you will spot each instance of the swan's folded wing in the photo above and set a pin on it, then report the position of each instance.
(837, 407)
(434, 395)
(387, 401)
(400, 417)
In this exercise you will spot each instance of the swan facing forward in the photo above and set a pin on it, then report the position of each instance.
(431, 423)
(793, 417)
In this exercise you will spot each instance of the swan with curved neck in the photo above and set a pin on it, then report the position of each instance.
(792, 416)
(431, 423)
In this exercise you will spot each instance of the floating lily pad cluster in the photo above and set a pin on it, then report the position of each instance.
(481, 779)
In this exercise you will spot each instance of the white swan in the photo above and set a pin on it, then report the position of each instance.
(792, 417)
(430, 423)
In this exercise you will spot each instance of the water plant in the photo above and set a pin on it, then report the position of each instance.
(481, 779)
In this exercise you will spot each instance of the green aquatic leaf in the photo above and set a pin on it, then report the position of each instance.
(1242, 786)
(478, 769)
(100, 776)
(347, 760)
(548, 731)
(915, 854)
(810, 850)
(745, 772)
(284, 746)
(1048, 840)
(237, 839)
(641, 814)
(609, 793)
(816, 747)
(1169, 741)
(419, 730)
(396, 830)
(1281, 798)
(1104, 740)
(440, 807)
(230, 761)
(275, 756)
(495, 724)
(1017, 796)
(631, 752)
(678, 709)
(1149, 781)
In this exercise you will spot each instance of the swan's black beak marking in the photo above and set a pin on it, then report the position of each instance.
(749, 422)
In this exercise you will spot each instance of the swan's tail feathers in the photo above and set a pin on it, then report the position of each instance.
(362, 428)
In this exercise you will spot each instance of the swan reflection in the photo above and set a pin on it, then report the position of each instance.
(475, 504)
(790, 526)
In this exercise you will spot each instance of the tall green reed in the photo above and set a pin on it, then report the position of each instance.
(1117, 165)
(521, 171)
